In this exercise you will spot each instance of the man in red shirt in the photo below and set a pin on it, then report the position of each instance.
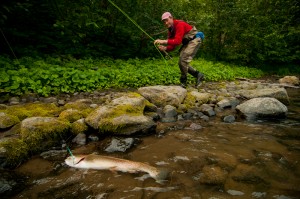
(181, 32)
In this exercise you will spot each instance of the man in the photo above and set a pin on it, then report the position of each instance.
(181, 32)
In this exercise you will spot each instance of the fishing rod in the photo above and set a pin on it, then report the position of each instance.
(139, 27)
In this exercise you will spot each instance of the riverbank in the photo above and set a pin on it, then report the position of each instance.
(200, 146)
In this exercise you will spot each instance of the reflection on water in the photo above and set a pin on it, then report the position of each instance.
(239, 160)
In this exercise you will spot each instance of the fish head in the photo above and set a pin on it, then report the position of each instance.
(74, 160)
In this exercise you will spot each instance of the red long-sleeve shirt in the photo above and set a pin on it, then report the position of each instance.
(176, 33)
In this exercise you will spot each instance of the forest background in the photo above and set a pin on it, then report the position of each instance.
(252, 33)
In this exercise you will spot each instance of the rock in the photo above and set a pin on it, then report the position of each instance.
(262, 108)
(3, 107)
(61, 102)
(79, 127)
(213, 175)
(71, 115)
(80, 139)
(278, 93)
(48, 100)
(290, 80)
(187, 116)
(194, 97)
(7, 121)
(11, 183)
(229, 119)
(168, 119)
(207, 110)
(41, 133)
(54, 155)
(205, 118)
(169, 111)
(93, 138)
(194, 126)
(228, 102)
(123, 116)
(164, 95)
(14, 101)
(120, 144)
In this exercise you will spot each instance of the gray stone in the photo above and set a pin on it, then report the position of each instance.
(229, 119)
(54, 155)
(14, 101)
(120, 144)
(168, 119)
(49, 100)
(164, 95)
(61, 102)
(11, 183)
(194, 126)
(169, 111)
(262, 108)
(278, 93)
(205, 118)
(187, 116)
(80, 139)
(207, 110)
(93, 138)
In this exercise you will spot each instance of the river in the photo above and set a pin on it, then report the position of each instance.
(237, 160)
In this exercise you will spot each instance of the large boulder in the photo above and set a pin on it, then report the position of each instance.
(7, 120)
(278, 93)
(123, 116)
(164, 95)
(41, 133)
(289, 80)
(262, 108)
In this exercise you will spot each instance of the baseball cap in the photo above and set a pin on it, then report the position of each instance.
(166, 15)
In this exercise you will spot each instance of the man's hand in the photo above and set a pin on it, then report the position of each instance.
(162, 48)
(160, 41)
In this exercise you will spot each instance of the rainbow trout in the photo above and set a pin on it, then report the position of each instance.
(114, 164)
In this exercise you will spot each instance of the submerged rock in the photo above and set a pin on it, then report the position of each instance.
(120, 144)
(262, 108)
(164, 95)
(11, 183)
(229, 119)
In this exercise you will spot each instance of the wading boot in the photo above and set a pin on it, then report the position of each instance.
(183, 81)
(200, 77)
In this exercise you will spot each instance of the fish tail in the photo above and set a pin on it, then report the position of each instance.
(161, 175)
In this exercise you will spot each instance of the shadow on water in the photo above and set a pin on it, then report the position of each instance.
(239, 160)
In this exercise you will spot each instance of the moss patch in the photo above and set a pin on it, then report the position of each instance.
(33, 110)
(43, 133)
(16, 151)
(71, 115)
(79, 127)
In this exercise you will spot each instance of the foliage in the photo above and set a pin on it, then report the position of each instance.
(69, 75)
(243, 32)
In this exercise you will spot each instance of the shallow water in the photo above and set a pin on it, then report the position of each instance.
(238, 160)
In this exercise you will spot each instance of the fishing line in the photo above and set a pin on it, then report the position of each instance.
(139, 27)
(9, 46)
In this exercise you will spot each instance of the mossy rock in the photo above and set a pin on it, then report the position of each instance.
(82, 105)
(79, 127)
(192, 98)
(41, 133)
(33, 110)
(71, 115)
(124, 115)
(14, 150)
(7, 121)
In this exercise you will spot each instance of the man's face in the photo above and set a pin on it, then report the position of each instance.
(168, 22)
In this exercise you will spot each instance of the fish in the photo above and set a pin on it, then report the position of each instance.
(100, 162)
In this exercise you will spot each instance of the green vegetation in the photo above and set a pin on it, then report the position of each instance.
(56, 75)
